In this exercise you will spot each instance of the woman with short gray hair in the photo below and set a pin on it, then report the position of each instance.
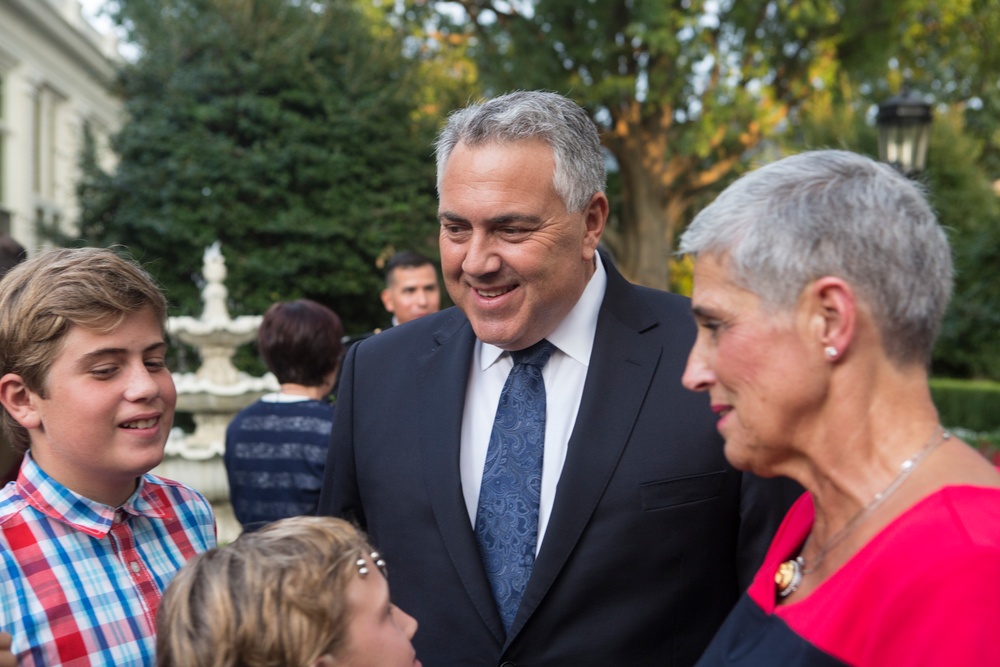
(820, 282)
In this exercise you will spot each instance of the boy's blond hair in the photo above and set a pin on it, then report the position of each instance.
(43, 297)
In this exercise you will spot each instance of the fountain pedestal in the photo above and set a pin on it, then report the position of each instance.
(213, 394)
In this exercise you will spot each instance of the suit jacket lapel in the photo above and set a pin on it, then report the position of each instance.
(444, 372)
(621, 365)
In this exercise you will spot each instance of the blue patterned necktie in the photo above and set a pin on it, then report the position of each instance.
(507, 515)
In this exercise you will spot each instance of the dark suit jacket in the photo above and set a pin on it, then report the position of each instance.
(652, 536)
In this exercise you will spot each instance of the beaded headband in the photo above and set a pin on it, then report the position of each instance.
(379, 563)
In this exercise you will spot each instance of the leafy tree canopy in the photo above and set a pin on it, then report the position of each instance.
(685, 90)
(297, 134)
(949, 52)
(289, 131)
(691, 93)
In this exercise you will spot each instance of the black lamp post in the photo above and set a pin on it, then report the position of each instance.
(904, 130)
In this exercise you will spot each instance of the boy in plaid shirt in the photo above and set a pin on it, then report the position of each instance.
(88, 539)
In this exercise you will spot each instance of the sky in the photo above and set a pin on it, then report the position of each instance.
(90, 10)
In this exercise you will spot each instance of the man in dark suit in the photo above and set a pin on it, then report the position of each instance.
(641, 536)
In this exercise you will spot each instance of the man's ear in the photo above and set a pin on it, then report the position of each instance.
(595, 215)
(387, 300)
(19, 401)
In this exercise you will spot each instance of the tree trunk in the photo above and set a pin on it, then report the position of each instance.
(653, 207)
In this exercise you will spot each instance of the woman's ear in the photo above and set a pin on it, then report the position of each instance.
(325, 660)
(832, 309)
(18, 400)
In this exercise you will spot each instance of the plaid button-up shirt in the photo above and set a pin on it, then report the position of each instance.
(80, 581)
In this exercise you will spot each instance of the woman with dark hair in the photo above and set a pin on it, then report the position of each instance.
(276, 448)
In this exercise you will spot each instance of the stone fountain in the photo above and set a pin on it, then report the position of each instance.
(213, 394)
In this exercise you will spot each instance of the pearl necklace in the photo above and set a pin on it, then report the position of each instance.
(788, 578)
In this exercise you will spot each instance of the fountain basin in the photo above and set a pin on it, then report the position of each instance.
(196, 394)
(221, 332)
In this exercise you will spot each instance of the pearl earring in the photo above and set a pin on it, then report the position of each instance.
(831, 352)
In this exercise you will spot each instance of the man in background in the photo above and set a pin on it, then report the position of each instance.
(411, 291)
(411, 287)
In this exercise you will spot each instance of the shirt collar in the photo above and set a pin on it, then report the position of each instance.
(61, 504)
(279, 397)
(574, 336)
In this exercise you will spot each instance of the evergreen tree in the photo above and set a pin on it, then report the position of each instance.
(286, 130)
(969, 344)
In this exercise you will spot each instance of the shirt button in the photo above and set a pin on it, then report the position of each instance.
(135, 566)
(118, 517)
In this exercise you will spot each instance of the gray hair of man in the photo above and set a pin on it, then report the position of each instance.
(835, 213)
(527, 115)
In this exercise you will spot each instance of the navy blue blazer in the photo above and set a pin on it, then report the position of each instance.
(652, 536)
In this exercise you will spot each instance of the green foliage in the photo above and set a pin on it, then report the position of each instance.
(969, 343)
(686, 92)
(950, 49)
(835, 117)
(967, 404)
(690, 94)
(288, 131)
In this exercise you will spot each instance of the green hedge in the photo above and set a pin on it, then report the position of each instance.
(968, 404)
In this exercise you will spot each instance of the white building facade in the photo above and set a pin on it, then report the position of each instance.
(56, 78)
